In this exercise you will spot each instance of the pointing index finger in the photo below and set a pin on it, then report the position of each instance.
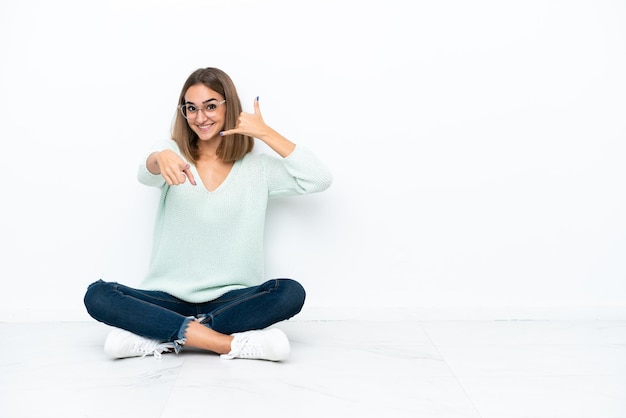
(189, 175)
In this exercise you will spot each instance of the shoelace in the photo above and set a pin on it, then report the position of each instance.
(155, 348)
(244, 350)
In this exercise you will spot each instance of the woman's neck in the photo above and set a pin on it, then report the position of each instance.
(207, 150)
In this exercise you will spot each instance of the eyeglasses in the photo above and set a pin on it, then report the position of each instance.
(190, 110)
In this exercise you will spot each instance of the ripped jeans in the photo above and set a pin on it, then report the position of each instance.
(161, 316)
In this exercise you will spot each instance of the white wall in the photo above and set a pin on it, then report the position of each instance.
(478, 148)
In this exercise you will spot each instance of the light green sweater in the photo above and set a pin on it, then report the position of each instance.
(208, 243)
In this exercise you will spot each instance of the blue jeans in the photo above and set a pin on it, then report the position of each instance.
(163, 317)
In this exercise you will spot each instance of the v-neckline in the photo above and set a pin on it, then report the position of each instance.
(223, 184)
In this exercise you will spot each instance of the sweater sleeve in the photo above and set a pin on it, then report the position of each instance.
(301, 172)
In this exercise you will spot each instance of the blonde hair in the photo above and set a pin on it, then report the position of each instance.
(232, 147)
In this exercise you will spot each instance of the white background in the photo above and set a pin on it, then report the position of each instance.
(477, 148)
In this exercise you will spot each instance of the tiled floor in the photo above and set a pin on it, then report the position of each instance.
(486, 369)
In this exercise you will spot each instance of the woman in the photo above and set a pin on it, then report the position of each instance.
(205, 287)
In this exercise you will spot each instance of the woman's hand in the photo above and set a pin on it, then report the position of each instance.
(252, 124)
(171, 166)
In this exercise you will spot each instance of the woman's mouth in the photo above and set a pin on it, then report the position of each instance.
(205, 127)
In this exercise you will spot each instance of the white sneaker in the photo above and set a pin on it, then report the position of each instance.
(271, 344)
(123, 344)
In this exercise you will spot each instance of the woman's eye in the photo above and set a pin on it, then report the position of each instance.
(191, 108)
(211, 106)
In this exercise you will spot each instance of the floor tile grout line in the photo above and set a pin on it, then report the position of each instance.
(461, 386)
(171, 390)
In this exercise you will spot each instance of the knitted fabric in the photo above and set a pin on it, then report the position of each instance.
(207, 243)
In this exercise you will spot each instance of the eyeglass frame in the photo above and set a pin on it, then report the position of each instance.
(200, 108)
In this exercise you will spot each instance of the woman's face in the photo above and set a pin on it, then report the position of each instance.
(205, 111)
